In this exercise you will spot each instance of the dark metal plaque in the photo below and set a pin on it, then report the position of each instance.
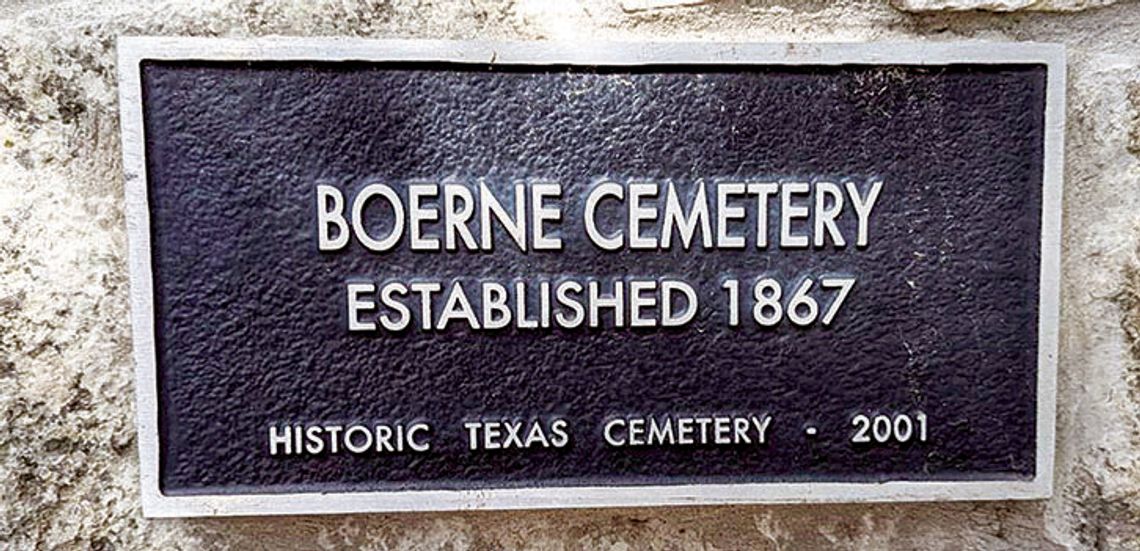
(397, 276)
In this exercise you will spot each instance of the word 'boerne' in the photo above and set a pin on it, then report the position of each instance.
(637, 215)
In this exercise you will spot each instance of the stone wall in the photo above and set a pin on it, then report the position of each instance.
(68, 466)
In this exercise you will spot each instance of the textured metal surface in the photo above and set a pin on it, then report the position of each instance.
(249, 326)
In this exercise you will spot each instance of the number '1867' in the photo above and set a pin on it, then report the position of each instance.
(771, 303)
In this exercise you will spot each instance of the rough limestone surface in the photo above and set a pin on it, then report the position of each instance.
(68, 457)
(919, 6)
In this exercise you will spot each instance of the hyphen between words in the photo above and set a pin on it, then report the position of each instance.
(636, 215)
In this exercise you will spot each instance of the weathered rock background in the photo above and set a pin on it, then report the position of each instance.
(68, 466)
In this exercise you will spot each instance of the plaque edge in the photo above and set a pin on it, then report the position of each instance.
(133, 50)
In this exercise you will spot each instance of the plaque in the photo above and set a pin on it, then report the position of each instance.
(422, 275)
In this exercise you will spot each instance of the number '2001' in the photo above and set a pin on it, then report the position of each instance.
(884, 429)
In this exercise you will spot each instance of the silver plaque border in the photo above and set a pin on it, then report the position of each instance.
(133, 50)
